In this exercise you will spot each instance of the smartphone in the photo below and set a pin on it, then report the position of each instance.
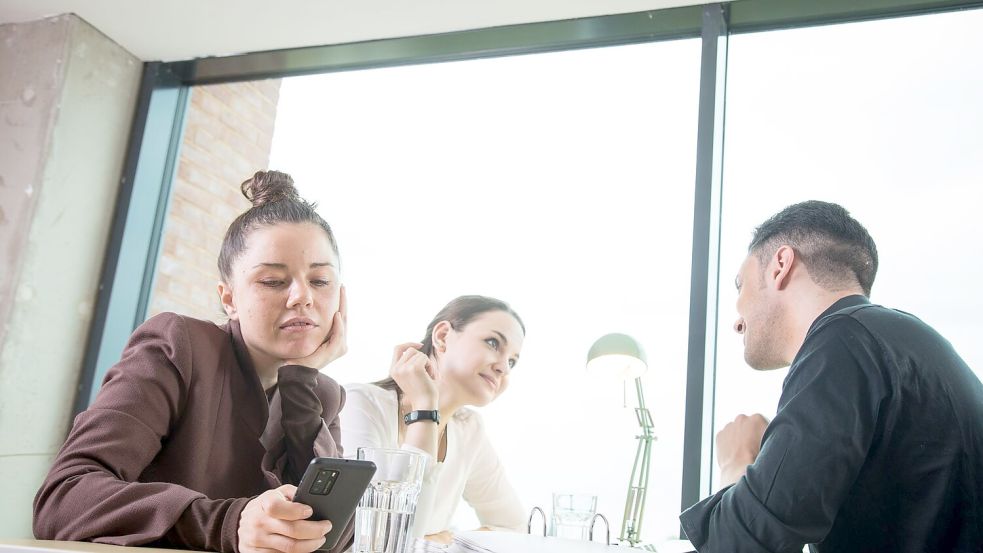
(332, 488)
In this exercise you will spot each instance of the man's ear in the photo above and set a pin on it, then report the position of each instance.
(439, 336)
(779, 272)
(228, 301)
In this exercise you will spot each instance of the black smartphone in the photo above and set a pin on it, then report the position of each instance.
(332, 488)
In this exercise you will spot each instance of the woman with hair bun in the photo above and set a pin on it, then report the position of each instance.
(201, 431)
(465, 358)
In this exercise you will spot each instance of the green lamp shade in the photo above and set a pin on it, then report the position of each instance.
(617, 355)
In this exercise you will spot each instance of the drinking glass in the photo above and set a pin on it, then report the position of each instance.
(572, 513)
(384, 517)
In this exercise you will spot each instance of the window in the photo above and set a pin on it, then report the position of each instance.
(884, 118)
(561, 183)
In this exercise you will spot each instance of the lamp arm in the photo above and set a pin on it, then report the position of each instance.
(631, 525)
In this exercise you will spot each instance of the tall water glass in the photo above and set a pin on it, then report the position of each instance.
(384, 517)
(572, 513)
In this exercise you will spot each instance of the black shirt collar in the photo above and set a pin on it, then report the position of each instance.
(842, 303)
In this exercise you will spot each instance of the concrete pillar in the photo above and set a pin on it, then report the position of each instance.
(67, 96)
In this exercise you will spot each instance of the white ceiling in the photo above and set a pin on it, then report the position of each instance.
(170, 30)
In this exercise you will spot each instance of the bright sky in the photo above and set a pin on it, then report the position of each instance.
(563, 183)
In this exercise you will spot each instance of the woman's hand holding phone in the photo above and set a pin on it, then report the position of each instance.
(272, 521)
(412, 371)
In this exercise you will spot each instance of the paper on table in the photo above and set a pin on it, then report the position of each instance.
(508, 542)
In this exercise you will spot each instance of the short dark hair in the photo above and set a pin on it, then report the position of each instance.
(275, 200)
(459, 313)
(837, 250)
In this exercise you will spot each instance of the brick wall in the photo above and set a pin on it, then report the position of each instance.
(227, 137)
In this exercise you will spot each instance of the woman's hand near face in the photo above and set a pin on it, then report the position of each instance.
(272, 521)
(400, 349)
(335, 345)
(412, 372)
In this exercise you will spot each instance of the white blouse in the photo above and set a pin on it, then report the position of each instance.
(471, 468)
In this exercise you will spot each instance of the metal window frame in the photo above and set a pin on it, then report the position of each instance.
(128, 270)
(702, 348)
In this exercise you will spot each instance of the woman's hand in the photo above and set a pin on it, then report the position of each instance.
(444, 537)
(335, 345)
(400, 349)
(272, 521)
(413, 373)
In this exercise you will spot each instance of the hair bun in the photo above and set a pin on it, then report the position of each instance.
(266, 187)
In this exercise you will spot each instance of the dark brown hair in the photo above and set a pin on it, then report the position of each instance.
(459, 313)
(275, 200)
(837, 250)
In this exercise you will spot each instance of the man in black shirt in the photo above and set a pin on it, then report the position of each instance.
(877, 444)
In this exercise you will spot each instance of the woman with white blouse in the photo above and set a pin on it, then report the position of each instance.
(465, 358)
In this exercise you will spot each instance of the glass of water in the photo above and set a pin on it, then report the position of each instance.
(384, 517)
(572, 513)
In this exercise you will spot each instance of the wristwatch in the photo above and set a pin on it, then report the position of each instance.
(417, 416)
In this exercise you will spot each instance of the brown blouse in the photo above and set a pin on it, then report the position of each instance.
(181, 437)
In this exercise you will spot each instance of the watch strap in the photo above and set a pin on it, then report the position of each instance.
(417, 416)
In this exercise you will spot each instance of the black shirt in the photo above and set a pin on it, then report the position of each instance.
(877, 445)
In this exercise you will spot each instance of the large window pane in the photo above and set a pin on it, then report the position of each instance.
(884, 118)
(562, 183)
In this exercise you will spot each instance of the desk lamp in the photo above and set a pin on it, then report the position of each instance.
(620, 356)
